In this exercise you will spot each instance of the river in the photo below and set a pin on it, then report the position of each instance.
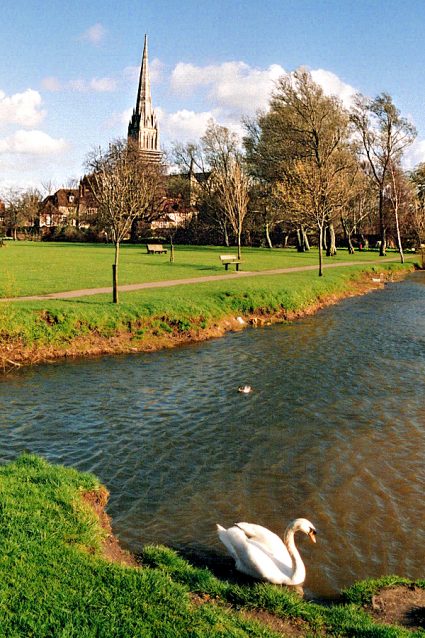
(333, 431)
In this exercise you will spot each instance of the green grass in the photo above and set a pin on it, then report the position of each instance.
(177, 311)
(28, 268)
(55, 582)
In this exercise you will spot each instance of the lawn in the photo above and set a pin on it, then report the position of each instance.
(54, 580)
(39, 268)
(152, 318)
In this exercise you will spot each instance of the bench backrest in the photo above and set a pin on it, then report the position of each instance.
(228, 257)
(154, 246)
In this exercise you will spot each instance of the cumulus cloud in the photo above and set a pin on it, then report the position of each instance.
(184, 124)
(23, 109)
(94, 34)
(231, 85)
(333, 85)
(33, 142)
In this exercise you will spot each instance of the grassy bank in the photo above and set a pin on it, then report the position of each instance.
(33, 331)
(55, 580)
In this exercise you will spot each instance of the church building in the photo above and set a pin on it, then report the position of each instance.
(143, 126)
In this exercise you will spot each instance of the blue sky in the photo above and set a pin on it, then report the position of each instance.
(69, 71)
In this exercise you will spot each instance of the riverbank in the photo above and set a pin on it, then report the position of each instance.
(147, 320)
(62, 573)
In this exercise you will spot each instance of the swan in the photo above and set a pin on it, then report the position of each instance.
(260, 553)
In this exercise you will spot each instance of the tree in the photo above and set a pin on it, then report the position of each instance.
(417, 216)
(22, 208)
(126, 187)
(399, 194)
(384, 136)
(302, 148)
(224, 187)
(358, 206)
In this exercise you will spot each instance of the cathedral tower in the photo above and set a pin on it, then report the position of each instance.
(143, 127)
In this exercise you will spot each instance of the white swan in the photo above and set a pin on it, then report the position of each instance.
(260, 553)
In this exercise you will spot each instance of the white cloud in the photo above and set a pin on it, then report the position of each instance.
(31, 143)
(184, 124)
(23, 109)
(94, 34)
(231, 85)
(333, 85)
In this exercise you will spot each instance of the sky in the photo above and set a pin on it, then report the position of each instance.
(69, 70)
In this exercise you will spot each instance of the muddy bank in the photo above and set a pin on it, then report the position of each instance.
(14, 354)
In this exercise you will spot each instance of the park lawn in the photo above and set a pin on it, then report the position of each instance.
(33, 268)
(55, 580)
(184, 312)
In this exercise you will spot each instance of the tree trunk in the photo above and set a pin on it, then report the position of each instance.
(239, 243)
(400, 247)
(300, 247)
(115, 274)
(320, 250)
(268, 240)
(350, 245)
(331, 247)
(383, 235)
(226, 235)
(305, 240)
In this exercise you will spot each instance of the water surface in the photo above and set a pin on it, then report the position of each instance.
(334, 431)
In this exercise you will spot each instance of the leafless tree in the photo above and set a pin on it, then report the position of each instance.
(126, 186)
(384, 135)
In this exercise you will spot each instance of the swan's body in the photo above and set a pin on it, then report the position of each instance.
(260, 553)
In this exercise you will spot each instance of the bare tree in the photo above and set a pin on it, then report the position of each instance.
(384, 136)
(417, 217)
(224, 187)
(232, 188)
(126, 186)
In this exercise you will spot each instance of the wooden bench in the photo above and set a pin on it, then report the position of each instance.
(155, 248)
(230, 259)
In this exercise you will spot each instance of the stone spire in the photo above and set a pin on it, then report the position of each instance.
(143, 127)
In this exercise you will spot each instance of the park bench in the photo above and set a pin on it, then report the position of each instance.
(230, 259)
(155, 248)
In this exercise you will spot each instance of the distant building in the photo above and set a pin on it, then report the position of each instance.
(143, 126)
(59, 209)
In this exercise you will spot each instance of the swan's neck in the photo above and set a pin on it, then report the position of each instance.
(298, 569)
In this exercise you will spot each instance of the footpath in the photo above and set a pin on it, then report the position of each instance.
(192, 280)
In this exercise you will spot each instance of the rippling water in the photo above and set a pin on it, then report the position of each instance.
(334, 431)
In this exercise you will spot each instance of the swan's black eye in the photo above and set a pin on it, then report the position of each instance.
(313, 531)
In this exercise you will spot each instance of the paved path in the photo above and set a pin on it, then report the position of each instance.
(192, 280)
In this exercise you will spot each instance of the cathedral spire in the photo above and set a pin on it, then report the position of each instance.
(143, 126)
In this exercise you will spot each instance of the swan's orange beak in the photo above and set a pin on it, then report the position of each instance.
(312, 535)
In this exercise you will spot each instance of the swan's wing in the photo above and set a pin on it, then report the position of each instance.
(269, 541)
(250, 557)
